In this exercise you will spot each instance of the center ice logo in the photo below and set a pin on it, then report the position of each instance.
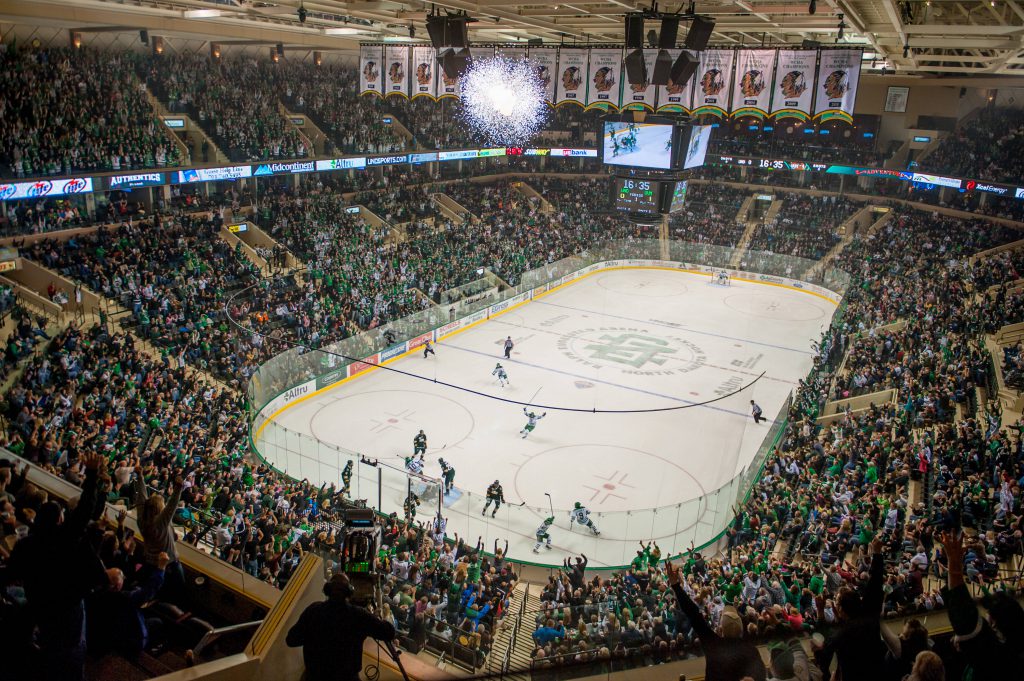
(630, 348)
(633, 350)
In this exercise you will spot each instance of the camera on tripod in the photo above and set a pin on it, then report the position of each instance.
(359, 555)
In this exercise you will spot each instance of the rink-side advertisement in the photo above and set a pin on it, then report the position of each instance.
(545, 63)
(424, 73)
(838, 78)
(396, 77)
(714, 82)
(605, 76)
(572, 76)
(752, 86)
(641, 95)
(793, 91)
(673, 97)
(370, 59)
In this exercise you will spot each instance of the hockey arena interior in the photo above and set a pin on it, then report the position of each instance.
(405, 340)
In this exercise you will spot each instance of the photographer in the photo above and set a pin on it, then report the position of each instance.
(332, 632)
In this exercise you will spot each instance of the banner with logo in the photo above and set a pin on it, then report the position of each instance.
(672, 97)
(424, 72)
(572, 76)
(714, 82)
(371, 58)
(793, 92)
(396, 73)
(545, 61)
(446, 87)
(752, 87)
(40, 188)
(605, 77)
(640, 95)
(838, 78)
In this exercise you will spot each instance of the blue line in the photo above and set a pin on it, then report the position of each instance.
(597, 380)
(677, 328)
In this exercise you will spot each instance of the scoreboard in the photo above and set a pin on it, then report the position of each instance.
(635, 195)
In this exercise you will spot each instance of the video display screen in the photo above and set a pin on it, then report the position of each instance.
(697, 148)
(678, 197)
(640, 145)
(636, 196)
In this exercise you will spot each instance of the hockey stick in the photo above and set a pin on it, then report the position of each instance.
(534, 395)
(551, 506)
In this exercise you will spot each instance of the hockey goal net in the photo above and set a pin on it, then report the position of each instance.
(720, 279)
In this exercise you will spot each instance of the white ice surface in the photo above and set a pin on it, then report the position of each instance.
(616, 340)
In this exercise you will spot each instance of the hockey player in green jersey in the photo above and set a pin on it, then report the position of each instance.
(531, 423)
(419, 443)
(580, 515)
(346, 478)
(495, 494)
(542, 534)
(448, 473)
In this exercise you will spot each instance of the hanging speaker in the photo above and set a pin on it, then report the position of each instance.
(700, 33)
(662, 68)
(636, 68)
(454, 62)
(669, 33)
(684, 68)
(435, 29)
(144, 36)
(280, 49)
(634, 31)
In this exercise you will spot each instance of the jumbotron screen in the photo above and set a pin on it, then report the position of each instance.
(638, 145)
(636, 196)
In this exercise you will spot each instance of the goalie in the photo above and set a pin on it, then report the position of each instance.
(580, 515)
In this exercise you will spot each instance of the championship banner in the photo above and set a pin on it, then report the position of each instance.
(793, 91)
(605, 77)
(545, 60)
(672, 97)
(752, 87)
(640, 95)
(572, 75)
(838, 78)
(446, 87)
(424, 72)
(714, 82)
(396, 78)
(370, 59)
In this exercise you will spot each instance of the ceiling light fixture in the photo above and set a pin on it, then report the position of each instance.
(301, 13)
(842, 28)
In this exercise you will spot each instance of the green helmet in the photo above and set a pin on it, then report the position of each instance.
(549, 519)
(578, 505)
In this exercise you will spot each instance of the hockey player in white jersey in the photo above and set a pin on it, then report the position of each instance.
(499, 371)
(531, 423)
(542, 534)
(580, 515)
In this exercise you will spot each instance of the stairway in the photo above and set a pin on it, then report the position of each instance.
(515, 632)
(192, 128)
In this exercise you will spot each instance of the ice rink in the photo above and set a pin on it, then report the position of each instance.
(615, 340)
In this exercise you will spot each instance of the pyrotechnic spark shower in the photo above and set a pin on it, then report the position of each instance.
(503, 100)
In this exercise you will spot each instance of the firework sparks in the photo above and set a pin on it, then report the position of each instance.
(503, 100)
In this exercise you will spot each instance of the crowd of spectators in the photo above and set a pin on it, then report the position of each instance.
(808, 531)
(65, 111)
(806, 226)
(328, 94)
(987, 147)
(233, 99)
(710, 214)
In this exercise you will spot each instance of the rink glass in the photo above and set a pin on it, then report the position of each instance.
(699, 521)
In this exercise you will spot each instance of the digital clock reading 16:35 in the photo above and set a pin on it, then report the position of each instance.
(636, 196)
